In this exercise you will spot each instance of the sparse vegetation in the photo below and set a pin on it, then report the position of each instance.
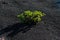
(31, 16)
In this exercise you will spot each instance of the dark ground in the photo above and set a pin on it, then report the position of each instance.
(48, 29)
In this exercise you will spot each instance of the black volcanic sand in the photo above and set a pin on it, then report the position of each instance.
(48, 29)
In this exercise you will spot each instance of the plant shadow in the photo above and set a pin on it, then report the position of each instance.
(16, 28)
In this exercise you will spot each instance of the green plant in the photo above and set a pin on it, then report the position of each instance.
(30, 16)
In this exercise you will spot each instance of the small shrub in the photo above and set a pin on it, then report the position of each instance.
(31, 16)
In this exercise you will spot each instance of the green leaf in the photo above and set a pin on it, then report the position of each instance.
(38, 19)
(21, 17)
(28, 13)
